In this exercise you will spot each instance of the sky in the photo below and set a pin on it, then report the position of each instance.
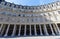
(31, 2)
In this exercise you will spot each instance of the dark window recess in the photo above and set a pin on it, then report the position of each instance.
(29, 8)
(32, 30)
(0, 25)
(27, 20)
(58, 25)
(38, 29)
(52, 5)
(2, 0)
(49, 29)
(33, 8)
(23, 15)
(22, 30)
(2, 30)
(27, 30)
(5, 3)
(18, 6)
(31, 11)
(42, 27)
(32, 20)
(6, 25)
(14, 6)
(56, 28)
(53, 28)
(10, 5)
(26, 7)
(19, 15)
(22, 7)
(10, 30)
(17, 30)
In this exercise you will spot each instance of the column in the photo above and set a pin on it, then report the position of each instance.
(2, 30)
(7, 30)
(19, 30)
(57, 28)
(35, 29)
(30, 30)
(40, 30)
(1, 27)
(51, 29)
(25, 31)
(14, 30)
(45, 30)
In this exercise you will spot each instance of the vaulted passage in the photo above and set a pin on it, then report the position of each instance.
(37, 29)
(49, 29)
(32, 30)
(3, 32)
(42, 28)
(17, 30)
(58, 25)
(29, 30)
(22, 30)
(10, 30)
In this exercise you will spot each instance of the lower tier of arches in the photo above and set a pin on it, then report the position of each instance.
(11, 30)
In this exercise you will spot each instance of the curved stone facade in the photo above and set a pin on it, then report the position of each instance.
(18, 20)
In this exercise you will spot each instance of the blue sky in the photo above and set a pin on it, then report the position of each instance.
(31, 2)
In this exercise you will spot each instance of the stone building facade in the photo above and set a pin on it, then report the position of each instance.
(18, 20)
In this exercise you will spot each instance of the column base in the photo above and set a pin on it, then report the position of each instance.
(5, 35)
(24, 34)
(41, 34)
(53, 34)
(18, 34)
(12, 35)
(47, 34)
(30, 34)
(35, 34)
(58, 33)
